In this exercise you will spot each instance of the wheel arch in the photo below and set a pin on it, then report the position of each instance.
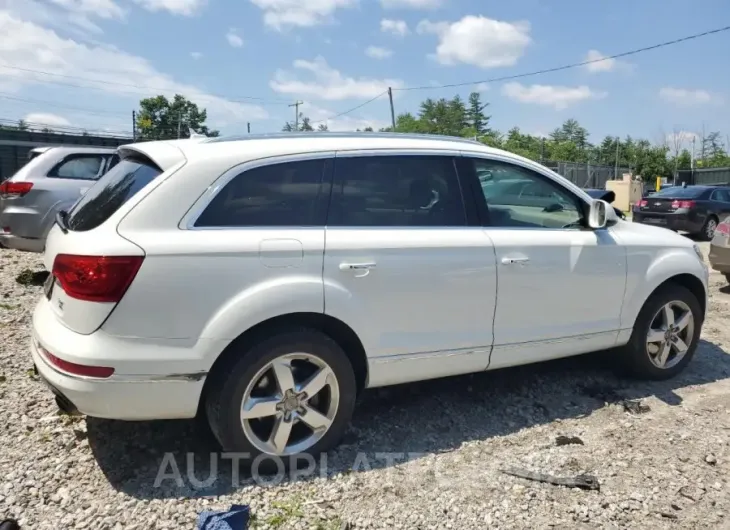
(690, 282)
(334, 328)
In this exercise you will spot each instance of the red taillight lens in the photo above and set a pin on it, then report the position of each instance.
(683, 204)
(100, 372)
(641, 203)
(96, 278)
(8, 188)
(723, 228)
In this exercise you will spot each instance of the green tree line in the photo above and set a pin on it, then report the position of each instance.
(567, 143)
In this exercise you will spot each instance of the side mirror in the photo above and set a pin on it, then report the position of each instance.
(598, 214)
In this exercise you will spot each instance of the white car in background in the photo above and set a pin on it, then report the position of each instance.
(266, 281)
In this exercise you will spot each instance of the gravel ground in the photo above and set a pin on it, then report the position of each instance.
(422, 456)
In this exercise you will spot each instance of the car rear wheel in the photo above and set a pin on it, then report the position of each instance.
(727, 277)
(665, 335)
(289, 394)
(708, 231)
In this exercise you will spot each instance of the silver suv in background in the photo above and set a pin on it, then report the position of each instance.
(50, 181)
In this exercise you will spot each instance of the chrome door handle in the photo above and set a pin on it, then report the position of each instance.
(356, 266)
(514, 261)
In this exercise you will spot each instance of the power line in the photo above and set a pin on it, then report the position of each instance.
(570, 66)
(236, 99)
(361, 105)
(64, 128)
(63, 106)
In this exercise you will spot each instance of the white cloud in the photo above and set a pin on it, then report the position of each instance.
(396, 27)
(683, 96)
(196, 55)
(320, 115)
(328, 83)
(233, 38)
(411, 4)
(482, 87)
(176, 7)
(479, 41)
(75, 16)
(606, 65)
(559, 97)
(280, 14)
(43, 119)
(39, 48)
(377, 52)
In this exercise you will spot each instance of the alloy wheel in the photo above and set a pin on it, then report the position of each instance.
(710, 228)
(670, 334)
(290, 404)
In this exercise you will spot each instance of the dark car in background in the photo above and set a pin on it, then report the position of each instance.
(693, 209)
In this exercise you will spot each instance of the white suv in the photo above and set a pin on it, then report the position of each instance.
(266, 281)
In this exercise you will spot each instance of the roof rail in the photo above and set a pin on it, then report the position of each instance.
(323, 134)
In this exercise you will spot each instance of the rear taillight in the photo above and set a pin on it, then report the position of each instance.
(96, 278)
(683, 204)
(15, 189)
(723, 228)
(642, 203)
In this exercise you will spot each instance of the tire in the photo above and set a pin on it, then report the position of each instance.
(244, 375)
(708, 230)
(636, 358)
(727, 277)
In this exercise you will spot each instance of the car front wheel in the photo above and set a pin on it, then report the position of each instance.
(289, 394)
(665, 335)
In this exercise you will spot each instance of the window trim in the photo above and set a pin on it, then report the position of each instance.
(73, 156)
(322, 204)
(471, 215)
(581, 202)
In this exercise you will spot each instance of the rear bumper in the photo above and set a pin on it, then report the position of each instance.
(124, 395)
(673, 221)
(22, 243)
(720, 258)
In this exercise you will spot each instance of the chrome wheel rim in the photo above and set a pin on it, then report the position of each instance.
(670, 334)
(710, 230)
(290, 404)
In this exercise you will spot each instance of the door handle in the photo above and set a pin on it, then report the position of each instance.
(514, 261)
(356, 266)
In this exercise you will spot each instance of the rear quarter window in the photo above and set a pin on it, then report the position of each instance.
(110, 192)
(81, 167)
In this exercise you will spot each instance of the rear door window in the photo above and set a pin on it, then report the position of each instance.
(394, 190)
(81, 167)
(110, 192)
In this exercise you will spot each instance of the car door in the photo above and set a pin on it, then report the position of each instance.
(560, 285)
(407, 265)
(721, 202)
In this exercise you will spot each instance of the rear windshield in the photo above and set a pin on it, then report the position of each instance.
(110, 192)
(678, 192)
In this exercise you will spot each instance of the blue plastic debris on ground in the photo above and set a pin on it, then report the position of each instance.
(236, 518)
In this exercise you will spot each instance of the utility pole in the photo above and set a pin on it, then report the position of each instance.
(615, 171)
(179, 124)
(296, 113)
(248, 126)
(392, 109)
(542, 150)
(134, 125)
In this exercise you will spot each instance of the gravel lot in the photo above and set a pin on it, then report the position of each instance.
(666, 467)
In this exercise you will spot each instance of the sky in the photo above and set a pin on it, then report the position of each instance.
(87, 63)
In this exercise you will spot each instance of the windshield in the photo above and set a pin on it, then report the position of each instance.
(110, 192)
(677, 192)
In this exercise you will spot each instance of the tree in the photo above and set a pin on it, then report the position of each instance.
(475, 114)
(322, 127)
(22, 125)
(159, 118)
(305, 124)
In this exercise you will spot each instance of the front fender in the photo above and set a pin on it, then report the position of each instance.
(274, 298)
(652, 273)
